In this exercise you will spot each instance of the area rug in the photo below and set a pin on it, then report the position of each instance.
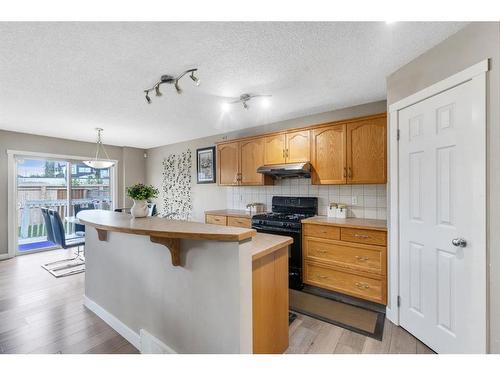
(66, 267)
(357, 319)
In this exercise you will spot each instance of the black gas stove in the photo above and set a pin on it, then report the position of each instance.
(285, 219)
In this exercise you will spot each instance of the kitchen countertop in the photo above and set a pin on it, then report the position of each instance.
(264, 244)
(348, 223)
(233, 213)
(159, 227)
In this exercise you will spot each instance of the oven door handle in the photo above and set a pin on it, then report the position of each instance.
(277, 230)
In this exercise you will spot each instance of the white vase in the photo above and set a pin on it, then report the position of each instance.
(139, 208)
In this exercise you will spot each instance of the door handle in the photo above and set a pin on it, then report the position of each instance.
(459, 242)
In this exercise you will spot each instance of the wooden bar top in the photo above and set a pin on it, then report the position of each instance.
(348, 223)
(164, 228)
(232, 213)
(264, 244)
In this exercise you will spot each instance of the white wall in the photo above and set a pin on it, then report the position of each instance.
(212, 196)
(474, 43)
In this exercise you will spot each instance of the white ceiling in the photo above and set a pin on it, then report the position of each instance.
(65, 79)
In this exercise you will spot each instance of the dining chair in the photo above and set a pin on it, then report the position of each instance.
(80, 228)
(60, 239)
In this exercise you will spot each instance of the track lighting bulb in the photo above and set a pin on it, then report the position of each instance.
(148, 99)
(196, 80)
(177, 88)
(157, 89)
(225, 107)
(245, 105)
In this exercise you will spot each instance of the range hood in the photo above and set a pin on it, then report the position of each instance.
(287, 170)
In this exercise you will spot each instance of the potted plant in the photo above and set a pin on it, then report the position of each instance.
(141, 193)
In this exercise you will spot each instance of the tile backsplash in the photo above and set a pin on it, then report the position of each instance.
(370, 200)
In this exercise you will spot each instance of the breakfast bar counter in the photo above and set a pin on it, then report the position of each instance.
(171, 286)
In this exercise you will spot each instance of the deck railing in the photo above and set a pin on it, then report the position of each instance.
(30, 219)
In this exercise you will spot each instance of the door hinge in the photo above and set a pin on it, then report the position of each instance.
(399, 301)
(397, 135)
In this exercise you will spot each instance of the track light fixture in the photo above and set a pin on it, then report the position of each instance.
(245, 98)
(173, 81)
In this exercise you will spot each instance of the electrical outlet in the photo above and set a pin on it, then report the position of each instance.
(354, 200)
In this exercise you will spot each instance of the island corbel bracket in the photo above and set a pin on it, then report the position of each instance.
(172, 244)
(102, 234)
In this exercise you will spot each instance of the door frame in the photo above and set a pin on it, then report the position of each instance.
(12, 189)
(474, 72)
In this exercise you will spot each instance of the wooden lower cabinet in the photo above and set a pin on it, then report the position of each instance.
(270, 303)
(216, 219)
(230, 221)
(350, 260)
(242, 222)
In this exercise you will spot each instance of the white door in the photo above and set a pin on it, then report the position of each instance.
(442, 220)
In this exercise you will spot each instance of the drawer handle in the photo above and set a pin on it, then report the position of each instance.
(361, 236)
(322, 251)
(321, 276)
(362, 286)
(362, 259)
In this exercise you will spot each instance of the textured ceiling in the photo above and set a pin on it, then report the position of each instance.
(65, 79)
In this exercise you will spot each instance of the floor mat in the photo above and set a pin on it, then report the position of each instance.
(366, 322)
(65, 267)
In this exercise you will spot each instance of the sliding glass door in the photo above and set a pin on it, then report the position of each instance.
(66, 186)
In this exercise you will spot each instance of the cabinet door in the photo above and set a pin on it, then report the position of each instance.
(274, 149)
(367, 152)
(228, 163)
(251, 158)
(328, 155)
(298, 147)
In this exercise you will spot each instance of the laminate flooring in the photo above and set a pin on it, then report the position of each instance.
(42, 314)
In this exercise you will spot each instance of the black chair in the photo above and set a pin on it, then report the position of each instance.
(48, 225)
(80, 228)
(61, 240)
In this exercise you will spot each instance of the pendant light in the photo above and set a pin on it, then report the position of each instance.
(98, 163)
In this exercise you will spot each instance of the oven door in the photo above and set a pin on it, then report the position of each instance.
(294, 253)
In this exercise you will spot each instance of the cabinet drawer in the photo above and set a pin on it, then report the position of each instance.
(322, 231)
(361, 257)
(242, 222)
(373, 237)
(215, 219)
(344, 282)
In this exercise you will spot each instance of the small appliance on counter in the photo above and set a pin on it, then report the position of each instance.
(255, 208)
(336, 210)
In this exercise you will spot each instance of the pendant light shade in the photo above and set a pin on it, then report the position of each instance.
(99, 163)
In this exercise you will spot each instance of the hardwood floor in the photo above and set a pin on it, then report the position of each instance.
(309, 335)
(42, 314)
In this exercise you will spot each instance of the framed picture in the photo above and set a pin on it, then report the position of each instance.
(205, 165)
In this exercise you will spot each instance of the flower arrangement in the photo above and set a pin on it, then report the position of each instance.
(140, 192)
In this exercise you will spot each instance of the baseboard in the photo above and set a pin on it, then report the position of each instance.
(129, 335)
(151, 344)
(4, 256)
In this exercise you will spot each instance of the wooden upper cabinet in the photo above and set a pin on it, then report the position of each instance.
(298, 146)
(251, 158)
(228, 158)
(367, 151)
(274, 149)
(328, 155)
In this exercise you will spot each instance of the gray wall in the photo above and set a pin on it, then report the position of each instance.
(470, 45)
(212, 196)
(131, 165)
(205, 306)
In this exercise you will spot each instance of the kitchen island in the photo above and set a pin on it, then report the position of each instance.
(173, 286)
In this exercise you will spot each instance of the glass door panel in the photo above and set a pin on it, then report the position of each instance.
(39, 183)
